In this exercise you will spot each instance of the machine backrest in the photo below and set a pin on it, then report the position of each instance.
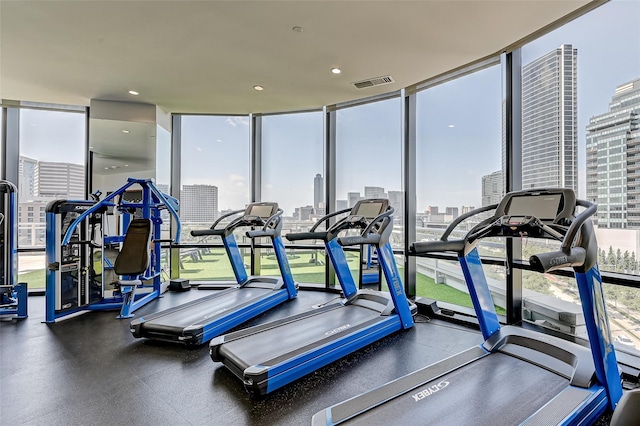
(135, 254)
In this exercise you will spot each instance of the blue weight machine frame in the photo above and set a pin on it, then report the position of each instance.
(152, 203)
(13, 295)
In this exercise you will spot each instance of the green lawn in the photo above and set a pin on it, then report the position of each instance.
(427, 287)
(215, 265)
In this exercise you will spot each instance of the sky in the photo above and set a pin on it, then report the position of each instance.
(459, 129)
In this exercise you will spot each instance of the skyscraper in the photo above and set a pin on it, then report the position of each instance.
(396, 199)
(353, 198)
(549, 120)
(27, 186)
(318, 191)
(492, 188)
(613, 160)
(60, 180)
(374, 192)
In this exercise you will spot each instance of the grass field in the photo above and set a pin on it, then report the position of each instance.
(200, 265)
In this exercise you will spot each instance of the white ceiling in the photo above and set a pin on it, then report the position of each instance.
(205, 56)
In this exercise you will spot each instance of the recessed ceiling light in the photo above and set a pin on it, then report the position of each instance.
(133, 92)
(451, 126)
(106, 168)
(125, 131)
(126, 165)
(336, 70)
(297, 29)
(258, 87)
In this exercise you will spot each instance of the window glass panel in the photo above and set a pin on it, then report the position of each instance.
(459, 168)
(51, 166)
(293, 176)
(587, 140)
(215, 180)
(369, 158)
(369, 163)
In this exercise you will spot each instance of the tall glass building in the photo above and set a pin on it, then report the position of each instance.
(613, 160)
(549, 120)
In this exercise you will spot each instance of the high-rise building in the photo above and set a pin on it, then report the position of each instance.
(452, 211)
(353, 198)
(374, 192)
(27, 186)
(199, 203)
(304, 213)
(396, 199)
(318, 190)
(492, 188)
(60, 180)
(342, 204)
(467, 209)
(613, 160)
(549, 120)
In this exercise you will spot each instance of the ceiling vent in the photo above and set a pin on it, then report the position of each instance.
(377, 81)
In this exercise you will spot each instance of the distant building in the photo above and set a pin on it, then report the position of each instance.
(549, 120)
(60, 180)
(613, 160)
(342, 204)
(304, 213)
(452, 211)
(374, 192)
(396, 199)
(467, 209)
(318, 190)
(432, 210)
(353, 198)
(492, 189)
(27, 184)
(199, 203)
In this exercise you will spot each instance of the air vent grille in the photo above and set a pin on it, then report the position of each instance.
(377, 81)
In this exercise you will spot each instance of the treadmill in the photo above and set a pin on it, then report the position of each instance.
(268, 356)
(197, 321)
(517, 376)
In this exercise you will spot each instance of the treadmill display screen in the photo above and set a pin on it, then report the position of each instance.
(262, 211)
(369, 210)
(544, 207)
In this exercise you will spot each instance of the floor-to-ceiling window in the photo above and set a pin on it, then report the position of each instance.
(293, 176)
(581, 130)
(51, 166)
(459, 168)
(369, 162)
(215, 180)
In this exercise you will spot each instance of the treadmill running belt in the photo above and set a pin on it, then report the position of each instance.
(495, 390)
(205, 310)
(278, 341)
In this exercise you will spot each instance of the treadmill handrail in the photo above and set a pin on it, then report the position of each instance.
(459, 219)
(224, 216)
(327, 217)
(271, 227)
(312, 234)
(367, 236)
(577, 223)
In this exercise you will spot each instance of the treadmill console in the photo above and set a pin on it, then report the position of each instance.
(365, 210)
(260, 212)
(369, 209)
(524, 213)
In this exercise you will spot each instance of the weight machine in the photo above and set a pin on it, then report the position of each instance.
(74, 254)
(13, 295)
